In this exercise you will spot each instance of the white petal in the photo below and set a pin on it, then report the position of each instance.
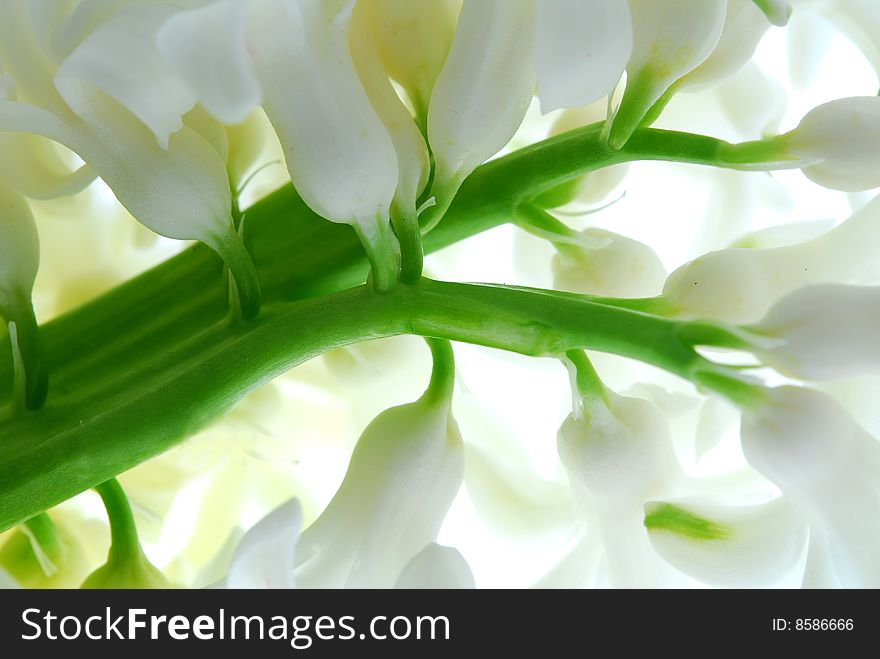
(413, 39)
(809, 36)
(19, 246)
(36, 170)
(581, 50)
(824, 331)
(436, 567)
(744, 26)
(740, 285)
(207, 48)
(670, 39)
(404, 473)
(827, 466)
(136, 75)
(484, 89)
(840, 142)
(619, 449)
(777, 11)
(340, 157)
(264, 557)
(730, 546)
(622, 268)
(409, 145)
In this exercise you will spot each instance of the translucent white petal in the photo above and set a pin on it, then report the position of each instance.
(809, 36)
(404, 473)
(33, 166)
(744, 26)
(824, 331)
(827, 466)
(581, 50)
(730, 546)
(413, 39)
(436, 567)
(208, 50)
(264, 558)
(136, 75)
(412, 152)
(670, 39)
(340, 157)
(19, 246)
(839, 142)
(622, 268)
(777, 11)
(484, 89)
(740, 285)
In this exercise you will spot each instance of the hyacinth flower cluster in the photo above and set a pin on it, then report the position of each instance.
(228, 235)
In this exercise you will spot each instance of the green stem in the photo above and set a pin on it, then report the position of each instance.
(412, 253)
(379, 247)
(248, 295)
(585, 380)
(44, 532)
(124, 543)
(443, 374)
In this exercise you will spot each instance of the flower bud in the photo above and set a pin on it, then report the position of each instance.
(264, 557)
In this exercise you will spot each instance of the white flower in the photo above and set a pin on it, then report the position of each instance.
(181, 191)
(623, 267)
(826, 465)
(724, 545)
(837, 144)
(670, 39)
(294, 57)
(264, 557)
(822, 332)
(777, 11)
(617, 449)
(740, 285)
(404, 473)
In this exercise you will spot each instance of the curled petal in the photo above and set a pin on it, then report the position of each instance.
(264, 557)
(436, 567)
(581, 50)
(136, 75)
(208, 50)
(731, 546)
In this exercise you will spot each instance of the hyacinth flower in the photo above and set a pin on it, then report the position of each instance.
(739, 285)
(826, 465)
(839, 341)
(44, 553)
(126, 566)
(294, 58)
(404, 473)
(617, 451)
(172, 182)
(502, 54)
(670, 39)
(19, 261)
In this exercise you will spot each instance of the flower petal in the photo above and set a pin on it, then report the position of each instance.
(730, 546)
(483, 90)
(436, 567)
(264, 558)
(670, 39)
(581, 50)
(136, 75)
(827, 466)
(340, 157)
(208, 50)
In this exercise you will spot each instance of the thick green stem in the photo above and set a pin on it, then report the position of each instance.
(443, 374)
(412, 253)
(124, 543)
